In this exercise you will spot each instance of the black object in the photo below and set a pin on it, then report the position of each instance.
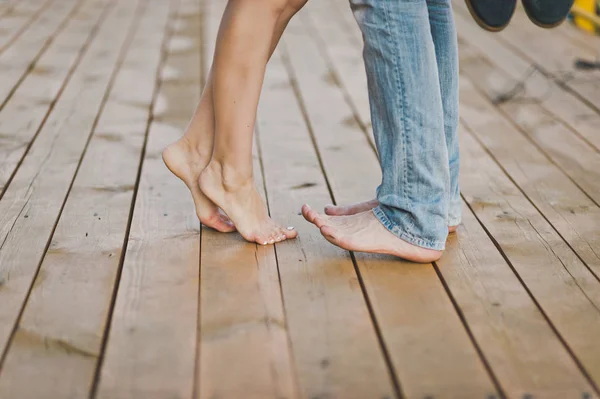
(586, 65)
(547, 13)
(492, 15)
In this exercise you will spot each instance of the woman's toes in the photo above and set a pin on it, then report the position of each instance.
(280, 236)
(290, 232)
(261, 240)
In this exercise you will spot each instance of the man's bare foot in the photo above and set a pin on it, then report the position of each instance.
(364, 233)
(334, 210)
(185, 162)
(242, 203)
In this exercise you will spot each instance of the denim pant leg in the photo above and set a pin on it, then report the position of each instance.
(408, 119)
(443, 31)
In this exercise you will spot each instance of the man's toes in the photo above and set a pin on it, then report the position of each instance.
(321, 220)
(333, 210)
(328, 232)
(308, 213)
(314, 217)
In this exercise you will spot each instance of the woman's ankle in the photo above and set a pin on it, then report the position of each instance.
(233, 178)
(200, 149)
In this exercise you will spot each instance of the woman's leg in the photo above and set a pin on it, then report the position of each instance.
(242, 51)
(187, 157)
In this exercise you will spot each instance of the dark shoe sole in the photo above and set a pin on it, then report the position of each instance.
(482, 24)
(541, 25)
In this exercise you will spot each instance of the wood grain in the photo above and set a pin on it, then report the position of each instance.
(151, 346)
(22, 56)
(71, 298)
(20, 18)
(582, 119)
(27, 109)
(563, 287)
(32, 203)
(244, 343)
(579, 161)
(338, 355)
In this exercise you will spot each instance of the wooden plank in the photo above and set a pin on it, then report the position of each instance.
(522, 350)
(24, 115)
(336, 352)
(570, 211)
(60, 333)
(151, 346)
(21, 57)
(559, 63)
(563, 287)
(29, 208)
(499, 311)
(7, 6)
(346, 20)
(579, 37)
(420, 345)
(556, 64)
(339, 45)
(530, 242)
(244, 344)
(581, 119)
(571, 154)
(21, 17)
(577, 217)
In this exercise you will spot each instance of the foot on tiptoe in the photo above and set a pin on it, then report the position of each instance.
(186, 162)
(492, 15)
(547, 13)
(237, 196)
(363, 232)
(334, 210)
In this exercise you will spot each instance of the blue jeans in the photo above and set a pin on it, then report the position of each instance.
(411, 58)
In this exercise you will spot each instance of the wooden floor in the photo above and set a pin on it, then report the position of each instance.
(109, 288)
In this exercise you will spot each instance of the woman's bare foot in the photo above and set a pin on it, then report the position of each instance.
(185, 162)
(364, 233)
(242, 203)
(334, 210)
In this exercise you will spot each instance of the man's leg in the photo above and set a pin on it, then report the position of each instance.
(407, 116)
(443, 32)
